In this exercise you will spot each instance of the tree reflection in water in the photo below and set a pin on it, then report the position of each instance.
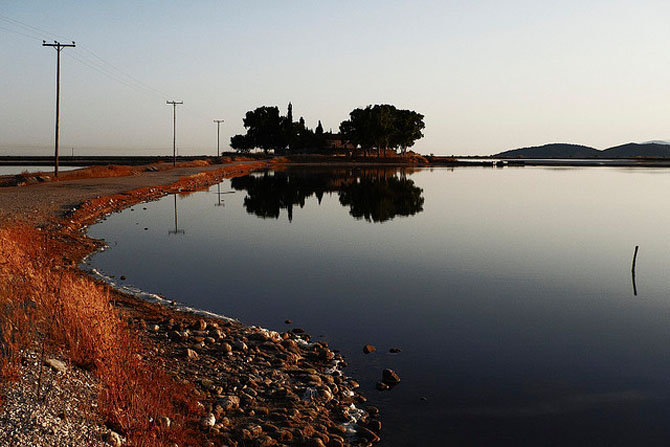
(376, 195)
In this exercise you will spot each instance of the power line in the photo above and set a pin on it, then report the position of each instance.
(111, 75)
(91, 60)
(30, 28)
(20, 33)
(113, 67)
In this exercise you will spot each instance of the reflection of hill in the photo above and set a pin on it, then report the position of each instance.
(374, 194)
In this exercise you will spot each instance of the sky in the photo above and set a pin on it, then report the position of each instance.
(488, 75)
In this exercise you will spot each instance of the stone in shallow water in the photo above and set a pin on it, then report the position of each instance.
(374, 425)
(389, 377)
(366, 434)
(367, 349)
(381, 386)
(372, 411)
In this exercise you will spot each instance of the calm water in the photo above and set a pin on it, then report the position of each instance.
(11, 170)
(508, 290)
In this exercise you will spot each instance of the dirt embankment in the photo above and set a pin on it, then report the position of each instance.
(164, 377)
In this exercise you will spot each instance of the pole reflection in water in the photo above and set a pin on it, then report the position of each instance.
(176, 220)
(218, 195)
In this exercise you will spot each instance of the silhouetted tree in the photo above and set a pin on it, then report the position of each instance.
(241, 143)
(357, 129)
(383, 127)
(289, 113)
(289, 129)
(408, 125)
(267, 130)
(264, 130)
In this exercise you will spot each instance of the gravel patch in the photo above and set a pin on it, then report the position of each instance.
(61, 412)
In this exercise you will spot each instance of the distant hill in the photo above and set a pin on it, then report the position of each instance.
(651, 150)
(656, 142)
(553, 150)
(562, 150)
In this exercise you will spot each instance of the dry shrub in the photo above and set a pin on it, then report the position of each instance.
(39, 299)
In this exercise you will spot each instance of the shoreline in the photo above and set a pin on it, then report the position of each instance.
(203, 350)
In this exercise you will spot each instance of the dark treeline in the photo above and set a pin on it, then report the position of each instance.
(374, 195)
(381, 128)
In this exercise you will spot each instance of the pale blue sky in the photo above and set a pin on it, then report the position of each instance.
(488, 75)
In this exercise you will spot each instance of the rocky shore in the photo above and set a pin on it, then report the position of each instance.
(251, 386)
(260, 387)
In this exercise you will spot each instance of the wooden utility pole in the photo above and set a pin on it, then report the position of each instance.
(58, 47)
(218, 135)
(174, 130)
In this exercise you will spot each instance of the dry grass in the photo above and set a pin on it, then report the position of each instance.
(40, 300)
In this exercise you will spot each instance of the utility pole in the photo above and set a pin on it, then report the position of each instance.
(218, 135)
(174, 130)
(58, 47)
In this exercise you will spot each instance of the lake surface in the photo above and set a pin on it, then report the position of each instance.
(11, 170)
(509, 291)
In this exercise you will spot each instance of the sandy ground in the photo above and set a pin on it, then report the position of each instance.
(38, 203)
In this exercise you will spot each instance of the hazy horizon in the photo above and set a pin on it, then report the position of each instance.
(488, 76)
(47, 150)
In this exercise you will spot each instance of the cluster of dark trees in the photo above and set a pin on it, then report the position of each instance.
(268, 130)
(373, 195)
(382, 127)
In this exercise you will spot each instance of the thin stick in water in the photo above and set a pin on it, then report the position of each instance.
(632, 270)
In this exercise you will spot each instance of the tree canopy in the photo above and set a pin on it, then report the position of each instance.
(268, 130)
(265, 131)
(382, 127)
